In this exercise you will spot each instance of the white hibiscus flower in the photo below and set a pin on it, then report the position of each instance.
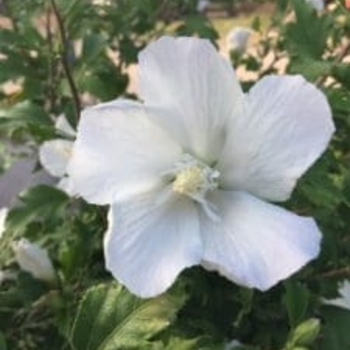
(316, 4)
(54, 154)
(3, 216)
(237, 39)
(188, 173)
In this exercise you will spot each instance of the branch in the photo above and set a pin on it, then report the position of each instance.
(64, 59)
(342, 272)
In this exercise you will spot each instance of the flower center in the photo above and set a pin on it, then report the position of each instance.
(194, 179)
(189, 181)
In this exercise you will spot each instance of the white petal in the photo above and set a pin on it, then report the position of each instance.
(188, 77)
(3, 216)
(118, 151)
(317, 4)
(344, 299)
(148, 243)
(257, 244)
(285, 127)
(54, 156)
(63, 126)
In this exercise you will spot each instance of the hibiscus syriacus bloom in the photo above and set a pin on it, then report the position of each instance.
(189, 172)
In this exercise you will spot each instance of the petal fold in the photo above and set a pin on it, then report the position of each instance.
(285, 127)
(149, 243)
(118, 151)
(257, 244)
(189, 78)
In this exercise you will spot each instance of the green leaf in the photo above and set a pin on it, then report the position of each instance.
(336, 335)
(110, 318)
(24, 112)
(93, 45)
(311, 69)
(296, 300)
(176, 343)
(308, 35)
(29, 117)
(2, 342)
(38, 203)
(342, 73)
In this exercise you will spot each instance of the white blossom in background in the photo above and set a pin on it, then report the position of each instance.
(33, 259)
(237, 39)
(316, 4)
(233, 344)
(202, 5)
(54, 154)
(3, 216)
(344, 299)
(189, 173)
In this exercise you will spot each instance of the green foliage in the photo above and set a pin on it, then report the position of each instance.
(38, 203)
(110, 318)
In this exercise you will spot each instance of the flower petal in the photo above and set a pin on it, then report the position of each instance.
(62, 125)
(286, 126)
(3, 217)
(54, 156)
(257, 244)
(188, 77)
(118, 151)
(148, 243)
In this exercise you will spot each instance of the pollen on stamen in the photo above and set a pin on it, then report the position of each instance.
(189, 180)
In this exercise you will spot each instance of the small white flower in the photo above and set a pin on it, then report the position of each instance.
(344, 300)
(54, 154)
(316, 4)
(189, 172)
(33, 259)
(202, 5)
(237, 39)
(3, 216)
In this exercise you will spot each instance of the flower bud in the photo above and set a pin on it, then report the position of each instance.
(306, 333)
(33, 259)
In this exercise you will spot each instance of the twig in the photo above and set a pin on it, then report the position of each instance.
(64, 59)
(52, 97)
(342, 272)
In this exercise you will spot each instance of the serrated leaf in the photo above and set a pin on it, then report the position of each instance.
(308, 35)
(38, 203)
(110, 318)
